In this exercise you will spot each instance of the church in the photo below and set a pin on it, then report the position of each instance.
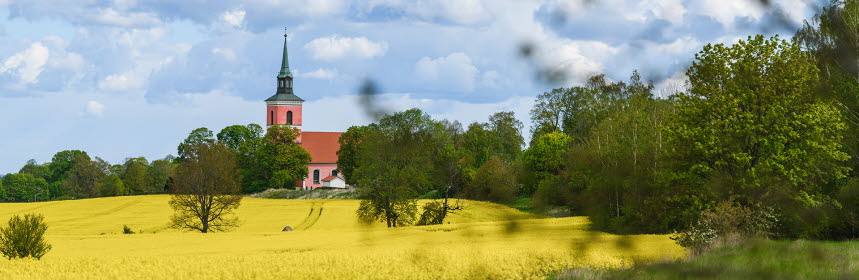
(284, 108)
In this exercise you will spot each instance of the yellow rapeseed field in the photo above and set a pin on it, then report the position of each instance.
(485, 241)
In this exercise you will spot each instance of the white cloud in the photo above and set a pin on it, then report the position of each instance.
(227, 53)
(669, 10)
(577, 60)
(95, 108)
(28, 64)
(323, 74)
(726, 12)
(234, 18)
(334, 48)
(673, 85)
(113, 17)
(491, 79)
(122, 82)
(454, 71)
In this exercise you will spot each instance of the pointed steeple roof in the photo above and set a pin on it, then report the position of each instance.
(284, 64)
(284, 79)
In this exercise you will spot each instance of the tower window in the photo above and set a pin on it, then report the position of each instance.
(271, 121)
(289, 117)
(316, 176)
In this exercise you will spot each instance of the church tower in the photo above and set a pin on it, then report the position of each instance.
(284, 107)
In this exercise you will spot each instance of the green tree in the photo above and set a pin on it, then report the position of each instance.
(544, 158)
(38, 170)
(197, 136)
(82, 179)
(135, 177)
(61, 163)
(395, 164)
(752, 124)
(157, 175)
(284, 161)
(206, 189)
(24, 237)
(235, 136)
(111, 185)
(494, 181)
(23, 187)
(350, 150)
(501, 136)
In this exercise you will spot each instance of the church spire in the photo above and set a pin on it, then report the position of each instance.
(284, 64)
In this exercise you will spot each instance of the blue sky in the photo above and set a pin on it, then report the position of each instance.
(127, 78)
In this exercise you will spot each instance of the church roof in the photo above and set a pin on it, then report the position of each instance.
(330, 178)
(284, 63)
(284, 97)
(322, 146)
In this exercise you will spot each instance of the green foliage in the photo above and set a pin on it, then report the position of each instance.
(501, 137)
(82, 180)
(24, 237)
(127, 230)
(198, 136)
(752, 118)
(433, 214)
(284, 160)
(544, 158)
(135, 176)
(350, 149)
(61, 163)
(22, 187)
(494, 181)
(206, 189)
(157, 175)
(727, 223)
(111, 185)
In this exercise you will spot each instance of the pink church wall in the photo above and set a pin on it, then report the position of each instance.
(279, 114)
(324, 171)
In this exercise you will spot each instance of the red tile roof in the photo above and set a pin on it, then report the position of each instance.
(322, 146)
(329, 178)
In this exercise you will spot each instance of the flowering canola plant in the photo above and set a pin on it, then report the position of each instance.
(486, 240)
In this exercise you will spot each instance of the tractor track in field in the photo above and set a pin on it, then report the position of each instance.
(102, 213)
(312, 217)
(32, 208)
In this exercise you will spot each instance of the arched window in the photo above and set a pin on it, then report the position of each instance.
(289, 117)
(316, 176)
(334, 172)
(271, 121)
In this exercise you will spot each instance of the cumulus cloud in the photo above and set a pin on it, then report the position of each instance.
(577, 60)
(122, 82)
(94, 108)
(323, 74)
(27, 64)
(454, 72)
(234, 18)
(335, 47)
(465, 12)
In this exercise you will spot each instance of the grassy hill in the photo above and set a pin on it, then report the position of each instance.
(485, 240)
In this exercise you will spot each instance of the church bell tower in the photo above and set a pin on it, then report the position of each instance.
(284, 107)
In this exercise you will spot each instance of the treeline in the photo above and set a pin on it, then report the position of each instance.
(73, 174)
(762, 140)
(270, 160)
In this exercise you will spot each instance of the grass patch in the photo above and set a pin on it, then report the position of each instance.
(762, 259)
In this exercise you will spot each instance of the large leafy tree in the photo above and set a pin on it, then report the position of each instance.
(351, 147)
(206, 190)
(284, 161)
(396, 163)
(751, 121)
(501, 136)
(158, 174)
(62, 162)
(82, 180)
(134, 178)
(544, 158)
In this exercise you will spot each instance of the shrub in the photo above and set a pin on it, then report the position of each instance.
(126, 230)
(493, 181)
(24, 237)
(727, 223)
(433, 214)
